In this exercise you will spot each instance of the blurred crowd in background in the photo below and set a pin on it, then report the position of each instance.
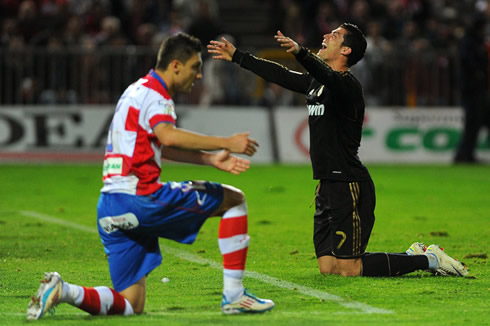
(396, 29)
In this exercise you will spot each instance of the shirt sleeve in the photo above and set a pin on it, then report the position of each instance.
(322, 72)
(161, 111)
(273, 72)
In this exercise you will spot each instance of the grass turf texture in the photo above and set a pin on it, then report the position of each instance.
(448, 205)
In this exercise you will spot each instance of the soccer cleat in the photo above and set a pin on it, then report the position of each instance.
(46, 297)
(247, 303)
(447, 265)
(417, 248)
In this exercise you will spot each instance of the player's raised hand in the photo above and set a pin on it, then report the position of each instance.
(243, 144)
(287, 42)
(221, 50)
(224, 161)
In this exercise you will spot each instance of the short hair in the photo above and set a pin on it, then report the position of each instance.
(180, 46)
(355, 40)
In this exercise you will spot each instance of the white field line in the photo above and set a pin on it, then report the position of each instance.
(361, 307)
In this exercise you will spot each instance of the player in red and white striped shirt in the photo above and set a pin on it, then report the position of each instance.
(135, 208)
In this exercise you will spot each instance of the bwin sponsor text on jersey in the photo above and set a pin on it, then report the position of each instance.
(318, 109)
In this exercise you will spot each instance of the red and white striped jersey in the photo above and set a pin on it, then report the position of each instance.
(132, 162)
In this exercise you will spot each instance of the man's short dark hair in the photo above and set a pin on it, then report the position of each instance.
(355, 40)
(180, 46)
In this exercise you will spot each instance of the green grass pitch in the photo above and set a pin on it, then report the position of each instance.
(47, 223)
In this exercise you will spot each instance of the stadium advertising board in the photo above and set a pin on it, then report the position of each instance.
(389, 135)
(228, 120)
(38, 128)
(83, 129)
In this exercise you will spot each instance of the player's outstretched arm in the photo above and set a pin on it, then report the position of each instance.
(221, 50)
(267, 69)
(171, 136)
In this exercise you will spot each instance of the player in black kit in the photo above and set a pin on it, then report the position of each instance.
(345, 196)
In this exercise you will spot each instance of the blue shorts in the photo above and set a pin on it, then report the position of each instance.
(130, 225)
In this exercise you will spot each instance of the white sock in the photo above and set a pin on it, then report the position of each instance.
(72, 294)
(433, 261)
(232, 284)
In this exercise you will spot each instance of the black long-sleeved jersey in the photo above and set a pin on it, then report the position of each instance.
(335, 104)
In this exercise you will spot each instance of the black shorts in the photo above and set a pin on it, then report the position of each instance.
(344, 218)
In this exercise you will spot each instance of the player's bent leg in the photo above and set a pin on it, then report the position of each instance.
(327, 265)
(136, 295)
(392, 264)
(233, 244)
(231, 197)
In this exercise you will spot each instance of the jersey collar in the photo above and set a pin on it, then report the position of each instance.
(154, 74)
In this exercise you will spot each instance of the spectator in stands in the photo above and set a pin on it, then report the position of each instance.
(359, 13)
(393, 20)
(377, 49)
(434, 25)
(73, 31)
(13, 70)
(176, 22)
(474, 88)
(205, 26)
(9, 30)
(27, 19)
(54, 86)
(93, 17)
(275, 95)
(145, 34)
(293, 23)
(325, 20)
(110, 33)
(224, 83)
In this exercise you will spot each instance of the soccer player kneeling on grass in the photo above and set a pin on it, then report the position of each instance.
(345, 196)
(135, 208)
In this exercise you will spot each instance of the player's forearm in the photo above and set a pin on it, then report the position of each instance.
(193, 141)
(186, 156)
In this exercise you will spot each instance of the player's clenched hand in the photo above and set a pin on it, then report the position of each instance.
(224, 161)
(243, 144)
(287, 42)
(222, 50)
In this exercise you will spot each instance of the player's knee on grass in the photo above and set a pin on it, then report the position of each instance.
(349, 267)
(136, 295)
(343, 267)
(326, 264)
(139, 309)
(327, 270)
